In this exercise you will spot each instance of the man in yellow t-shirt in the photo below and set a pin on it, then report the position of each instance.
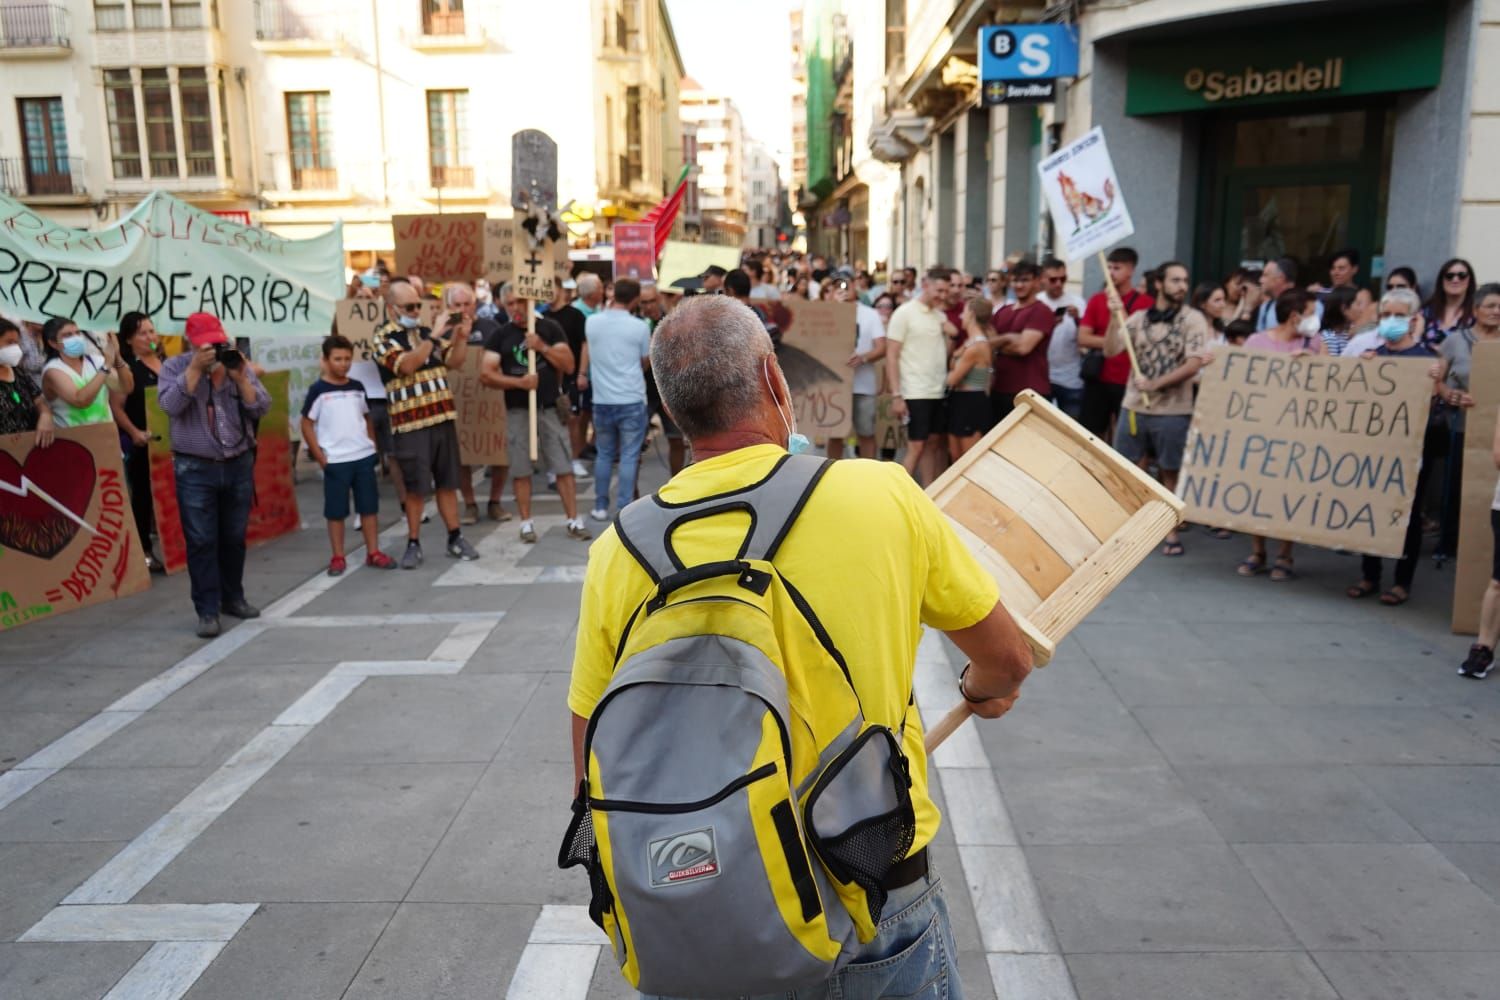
(717, 372)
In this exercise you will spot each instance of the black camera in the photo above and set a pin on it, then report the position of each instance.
(228, 356)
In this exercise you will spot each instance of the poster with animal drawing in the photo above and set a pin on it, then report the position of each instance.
(816, 341)
(67, 537)
(1088, 208)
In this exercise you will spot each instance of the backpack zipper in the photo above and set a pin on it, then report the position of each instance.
(624, 805)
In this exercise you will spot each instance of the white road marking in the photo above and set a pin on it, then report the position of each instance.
(464, 641)
(320, 699)
(554, 972)
(1015, 931)
(78, 741)
(160, 687)
(398, 668)
(141, 860)
(566, 925)
(167, 971)
(18, 781)
(143, 922)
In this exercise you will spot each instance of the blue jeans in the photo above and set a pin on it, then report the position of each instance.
(912, 954)
(1070, 401)
(214, 500)
(619, 431)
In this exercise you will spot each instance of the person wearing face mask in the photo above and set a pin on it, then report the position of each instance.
(22, 407)
(138, 334)
(1401, 329)
(718, 374)
(212, 399)
(76, 384)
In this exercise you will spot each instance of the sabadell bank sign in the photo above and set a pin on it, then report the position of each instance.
(1286, 62)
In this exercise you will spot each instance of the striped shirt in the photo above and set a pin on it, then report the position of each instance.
(421, 399)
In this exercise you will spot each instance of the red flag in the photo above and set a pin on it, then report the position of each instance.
(664, 214)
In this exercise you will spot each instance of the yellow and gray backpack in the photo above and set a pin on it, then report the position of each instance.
(738, 814)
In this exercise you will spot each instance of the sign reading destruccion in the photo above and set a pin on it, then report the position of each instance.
(67, 537)
(168, 259)
(1308, 449)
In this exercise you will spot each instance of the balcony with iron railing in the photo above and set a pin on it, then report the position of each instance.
(286, 25)
(447, 28)
(303, 176)
(32, 30)
(23, 177)
(452, 177)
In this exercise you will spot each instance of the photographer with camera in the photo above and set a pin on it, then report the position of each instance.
(213, 398)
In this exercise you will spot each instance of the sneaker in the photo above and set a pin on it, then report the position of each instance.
(426, 518)
(581, 470)
(599, 514)
(578, 531)
(528, 533)
(497, 512)
(552, 485)
(241, 609)
(471, 514)
(336, 566)
(413, 555)
(208, 626)
(460, 548)
(1481, 660)
(379, 560)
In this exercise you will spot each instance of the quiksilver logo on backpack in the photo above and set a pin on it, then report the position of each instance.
(683, 857)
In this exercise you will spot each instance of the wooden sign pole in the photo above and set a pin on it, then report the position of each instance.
(947, 726)
(531, 370)
(1117, 307)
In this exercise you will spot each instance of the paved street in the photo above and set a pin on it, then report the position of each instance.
(1220, 789)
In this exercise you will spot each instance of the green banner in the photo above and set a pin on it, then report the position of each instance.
(168, 259)
(1319, 59)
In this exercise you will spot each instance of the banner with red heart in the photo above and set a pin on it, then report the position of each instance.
(67, 538)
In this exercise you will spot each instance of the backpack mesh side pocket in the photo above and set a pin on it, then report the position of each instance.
(579, 848)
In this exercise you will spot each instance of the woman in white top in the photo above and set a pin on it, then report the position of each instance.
(75, 383)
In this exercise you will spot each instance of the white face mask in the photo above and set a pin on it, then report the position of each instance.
(10, 355)
(797, 444)
(1308, 326)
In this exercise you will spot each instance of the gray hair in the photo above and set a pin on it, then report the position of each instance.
(455, 286)
(1403, 297)
(707, 357)
(588, 284)
(506, 290)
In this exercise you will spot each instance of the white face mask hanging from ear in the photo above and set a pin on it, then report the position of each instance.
(797, 444)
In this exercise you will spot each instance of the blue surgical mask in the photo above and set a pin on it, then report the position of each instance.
(75, 346)
(1393, 328)
(410, 322)
(797, 444)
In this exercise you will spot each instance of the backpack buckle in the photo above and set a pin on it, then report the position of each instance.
(756, 581)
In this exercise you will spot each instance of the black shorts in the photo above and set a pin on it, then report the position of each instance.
(342, 478)
(927, 417)
(380, 417)
(1495, 559)
(429, 458)
(580, 400)
(969, 413)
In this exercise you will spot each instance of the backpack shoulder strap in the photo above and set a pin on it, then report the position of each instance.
(646, 526)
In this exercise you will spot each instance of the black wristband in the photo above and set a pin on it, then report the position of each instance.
(967, 698)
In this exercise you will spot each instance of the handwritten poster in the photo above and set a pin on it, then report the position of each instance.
(302, 360)
(67, 536)
(1476, 542)
(168, 259)
(814, 355)
(481, 414)
(275, 510)
(358, 319)
(440, 247)
(1318, 450)
(534, 268)
(1083, 192)
(499, 251)
(635, 250)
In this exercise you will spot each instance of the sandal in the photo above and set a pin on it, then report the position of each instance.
(1172, 549)
(1362, 589)
(1395, 597)
(1282, 571)
(1253, 566)
(1223, 533)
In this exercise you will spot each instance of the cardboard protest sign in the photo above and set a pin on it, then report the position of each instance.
(67, 536)
(499, 251)
(814, 355)
(302, 360)
(358, 319)
(1475, 539)
(1308, 449)
(635, 250)
(275, 510)
(1088, 208)
(168, 259)
(440, 247)
(688, 260)
(481, 413)
(533, 276)
(890, 433)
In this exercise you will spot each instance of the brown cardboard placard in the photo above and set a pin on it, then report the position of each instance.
(440, 247)
(814, 356)
(1475, 539)
(499, 251)
(67, 535)
(533, 276)
(481, 414)
(358, 319)
(1308, 449)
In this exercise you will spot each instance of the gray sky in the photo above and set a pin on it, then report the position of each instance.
(742, 48)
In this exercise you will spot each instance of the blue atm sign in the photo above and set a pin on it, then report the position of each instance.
(1021, 63)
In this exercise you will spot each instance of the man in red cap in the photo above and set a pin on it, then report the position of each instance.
(212, 398)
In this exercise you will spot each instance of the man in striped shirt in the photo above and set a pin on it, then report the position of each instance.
(414, 363)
